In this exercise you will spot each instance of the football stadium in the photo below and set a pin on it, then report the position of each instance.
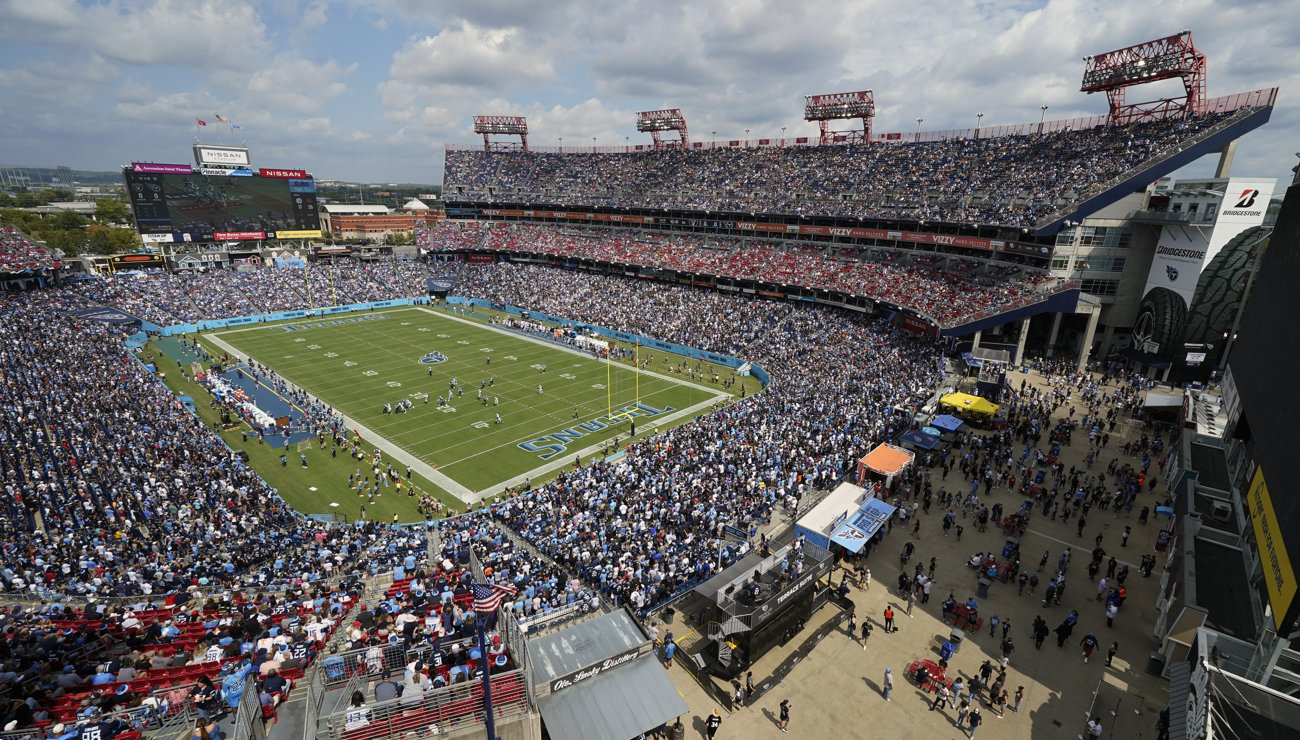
(613, 451)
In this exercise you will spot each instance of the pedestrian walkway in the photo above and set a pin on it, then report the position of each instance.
(836, 691)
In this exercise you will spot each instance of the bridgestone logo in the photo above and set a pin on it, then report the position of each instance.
(1240, 213)
(1171, 252)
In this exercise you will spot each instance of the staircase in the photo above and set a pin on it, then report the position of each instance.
(719, 632)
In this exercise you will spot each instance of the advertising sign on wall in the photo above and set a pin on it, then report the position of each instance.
(205, 154)
(1279, 575)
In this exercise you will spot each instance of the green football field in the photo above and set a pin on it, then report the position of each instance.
(357, 363)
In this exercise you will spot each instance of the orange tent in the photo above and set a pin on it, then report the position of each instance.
(886, 460)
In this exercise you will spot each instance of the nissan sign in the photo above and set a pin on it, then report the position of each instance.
(221, 155)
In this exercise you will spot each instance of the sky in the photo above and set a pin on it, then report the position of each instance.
(372, 90)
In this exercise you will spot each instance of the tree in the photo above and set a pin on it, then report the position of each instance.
(63, 241)
(123, 240)
(66, 221)
(112, 211)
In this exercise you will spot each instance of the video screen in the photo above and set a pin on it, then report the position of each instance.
(167, 203)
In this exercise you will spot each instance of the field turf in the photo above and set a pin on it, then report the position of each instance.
(359, 362)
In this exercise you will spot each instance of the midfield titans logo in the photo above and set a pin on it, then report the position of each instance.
(433, 358)
(1170, 271)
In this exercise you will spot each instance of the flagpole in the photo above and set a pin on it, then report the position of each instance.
(485, 663)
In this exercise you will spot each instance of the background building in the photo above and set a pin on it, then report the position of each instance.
(1229, 614)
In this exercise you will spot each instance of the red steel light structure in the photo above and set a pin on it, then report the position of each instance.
(502, 126)
(841, 106)
(1162, 59)
(655, 122)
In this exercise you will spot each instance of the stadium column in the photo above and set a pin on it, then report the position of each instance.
(1226, 154)
(1020, 343)
(975, 342)
(1051, 338)
(1088, 335)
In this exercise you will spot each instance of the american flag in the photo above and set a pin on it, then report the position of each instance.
(487, 598)
(222, 118)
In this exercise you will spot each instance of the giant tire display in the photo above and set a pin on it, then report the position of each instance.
(1219, 290)
(1160, 320)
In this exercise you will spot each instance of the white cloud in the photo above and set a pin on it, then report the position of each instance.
(466, 55)
(409, 74)
(320, 127)
(286, 83)
(190, 33)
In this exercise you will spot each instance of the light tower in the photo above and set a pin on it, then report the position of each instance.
(841, 106)
(505, 126)
(656, 122)
(1163, 59)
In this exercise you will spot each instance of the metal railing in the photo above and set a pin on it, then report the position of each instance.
(315, 697)
(248, 724)
(1224, 104)
(442, 710)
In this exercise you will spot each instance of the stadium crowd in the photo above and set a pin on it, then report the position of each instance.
(644, 525)
(925, 284)
(19, 254)
(1008, 180)
(116, 489)
(113, 488)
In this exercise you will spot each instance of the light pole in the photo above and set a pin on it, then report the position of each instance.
(593, 145)
(714, 143)
(783, 135)
(1042, 117)
(561, 140)
(746, 138)
(978, 117)
(918, 128)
